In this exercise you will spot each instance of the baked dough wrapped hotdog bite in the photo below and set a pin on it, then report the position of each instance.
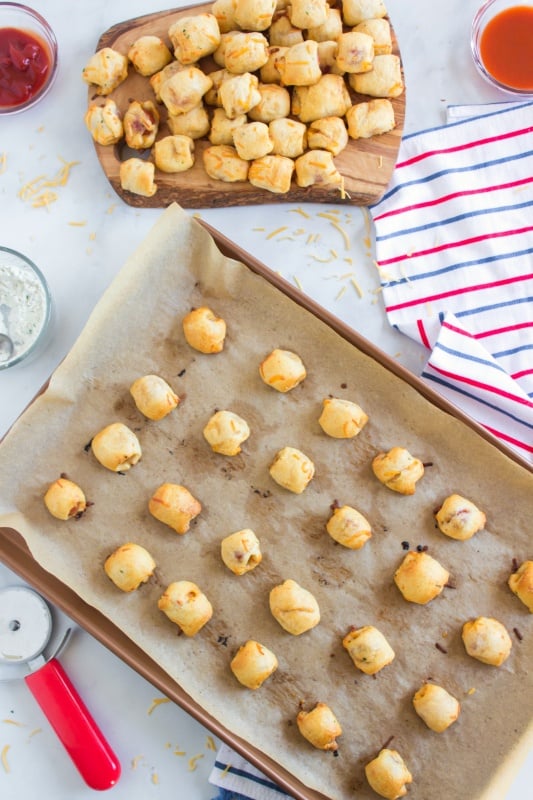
(253, 663)
(349, 527)
(521, 583)
(184, 603)
(292, 469)
(486, 639)
(283, 370)
(341, 419)
(241, 551)
(64, 499)
(174, 505)
(320, 727)
(105, 70)
(294, 607)
(225, 432)
(368, 648)
(388, 775)
(437, 707)
(398, 470)
(420, 577)
(204, 331)
(116, 447)
(153, 396)
(129, 566)
(459, 518)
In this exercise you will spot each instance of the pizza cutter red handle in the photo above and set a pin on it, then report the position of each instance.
(74, 725)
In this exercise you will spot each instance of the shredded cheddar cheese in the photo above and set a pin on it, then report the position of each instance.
(178, 752)
(210, 744)
(193, 762)
(300, 210)
(225, 771)
(14, 722)
(340, 293)
(35, 191)
(135, 761)
(277, 231)
(297, 282)
(5, 762)
(79, 224)
(343, 233)
(472, 690)
(3, 162)
(157, 701)
(356, 287)
(155, 778)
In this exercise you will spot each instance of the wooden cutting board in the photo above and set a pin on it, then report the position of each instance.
(366, 164)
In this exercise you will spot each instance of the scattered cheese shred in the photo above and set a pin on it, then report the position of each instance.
(210, 744)
(297, 282)
(193, 762)
(356, 287)
(331, 215)
(380, 162)
(92, 236)
(157, 701)
(45, 199)
(155, 778)
(472, 690)
(111, 208)
(321, 260)
(79, 224)
(334, 253)
(258, 229)
(300, 210)
(5, 762)
(178, 752)
(34, 191)
(343, 233)
(3, 162)
(33, 732)
(340, 292)
(313, 237)
(225, 771)
(277, 231)
(135, 761)
(348, 260)
(14, 722)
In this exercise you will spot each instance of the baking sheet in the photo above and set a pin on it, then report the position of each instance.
(135, 329)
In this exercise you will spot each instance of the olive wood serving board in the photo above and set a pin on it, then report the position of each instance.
(366, 164)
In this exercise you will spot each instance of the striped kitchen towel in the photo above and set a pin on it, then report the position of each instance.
(454, 249)
(237, 779)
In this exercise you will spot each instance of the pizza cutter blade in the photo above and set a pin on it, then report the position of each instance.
(25, 630)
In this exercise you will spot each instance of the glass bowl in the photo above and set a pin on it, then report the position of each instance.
(27, 44)
(25, 308)
(512, 45)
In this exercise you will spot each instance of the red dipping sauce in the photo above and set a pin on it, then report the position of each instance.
(25, 62)
(506, 47)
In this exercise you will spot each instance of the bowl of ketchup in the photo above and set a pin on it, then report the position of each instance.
(28, 57)
(502, 44)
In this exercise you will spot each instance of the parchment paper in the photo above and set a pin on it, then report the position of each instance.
(136, 329)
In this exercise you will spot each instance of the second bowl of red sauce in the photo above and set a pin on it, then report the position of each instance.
(28, 57)
(502, 44)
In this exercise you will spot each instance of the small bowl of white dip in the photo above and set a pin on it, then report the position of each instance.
(25, 308)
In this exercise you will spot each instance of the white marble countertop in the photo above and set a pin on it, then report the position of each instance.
(80, 242)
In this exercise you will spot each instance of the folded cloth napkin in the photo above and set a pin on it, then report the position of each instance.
(237, 779)
(454, 249)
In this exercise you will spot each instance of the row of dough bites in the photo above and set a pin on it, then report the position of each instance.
(279, 101)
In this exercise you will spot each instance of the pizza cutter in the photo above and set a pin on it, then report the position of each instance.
(25, 631)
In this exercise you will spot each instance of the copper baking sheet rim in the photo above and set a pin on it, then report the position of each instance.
(15, 554)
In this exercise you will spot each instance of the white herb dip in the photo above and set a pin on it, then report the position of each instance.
(24, 307)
